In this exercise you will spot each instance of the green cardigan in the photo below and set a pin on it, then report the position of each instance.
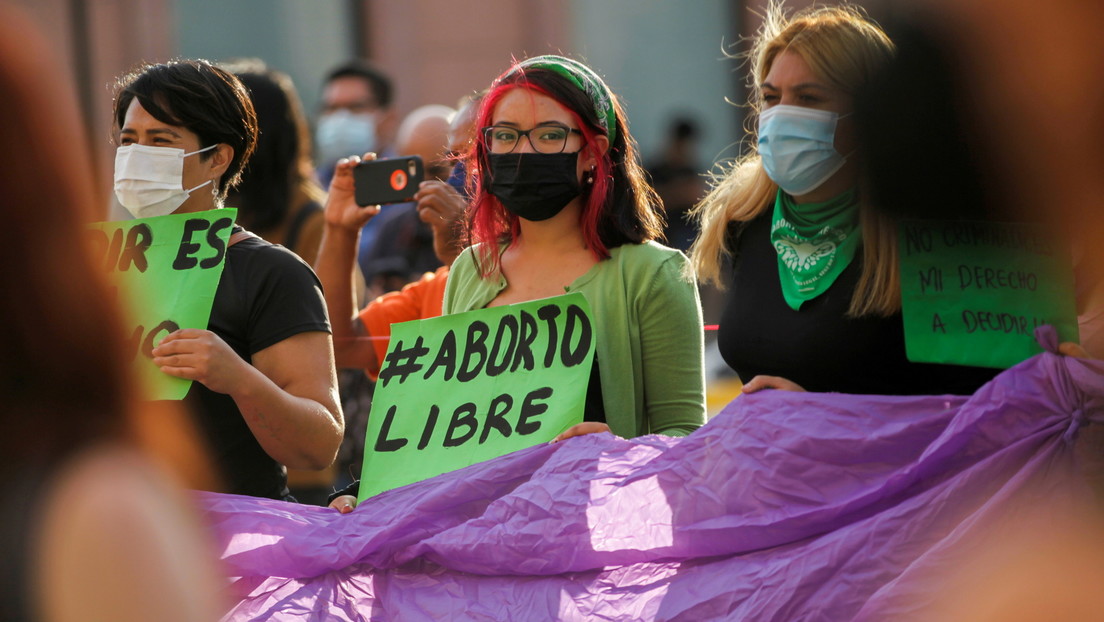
(648, 323)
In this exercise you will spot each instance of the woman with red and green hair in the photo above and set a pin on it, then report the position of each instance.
(560, 204)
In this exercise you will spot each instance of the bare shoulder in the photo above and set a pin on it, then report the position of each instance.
(119, 541)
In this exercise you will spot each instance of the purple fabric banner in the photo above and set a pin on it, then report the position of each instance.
(787, 506)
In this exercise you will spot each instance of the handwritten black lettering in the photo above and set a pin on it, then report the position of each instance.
(475, 347)
(575, 319)
(499, 361)
(523, 356)
(549, 313)
(496, 419)
(917, 239)
(531, 408)
(184, 259)
(467, 419)
(427, 431)
(384, 444)
(446, 357)
(215, 242)
(403, 361)
(937, 324)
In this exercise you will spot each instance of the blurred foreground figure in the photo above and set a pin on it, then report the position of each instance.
(1018, 132)
(1040, 109)
(93, 528)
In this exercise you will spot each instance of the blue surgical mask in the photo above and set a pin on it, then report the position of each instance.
(341, 134)
(797, 145)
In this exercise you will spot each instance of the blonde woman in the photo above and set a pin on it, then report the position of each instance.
(814, 297)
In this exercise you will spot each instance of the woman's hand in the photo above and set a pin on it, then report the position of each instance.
(202, 356)
(344, 503)
(579, 429)
(341, 208)
(759, 383)
(441, 207)
(1069, 348)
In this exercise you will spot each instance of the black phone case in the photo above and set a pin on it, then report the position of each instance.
(393, 180)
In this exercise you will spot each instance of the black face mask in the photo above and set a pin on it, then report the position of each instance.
(534, 186)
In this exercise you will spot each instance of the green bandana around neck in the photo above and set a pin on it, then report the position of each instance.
(815, 242)
(582, 77)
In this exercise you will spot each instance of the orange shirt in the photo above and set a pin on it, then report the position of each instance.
(416, 301)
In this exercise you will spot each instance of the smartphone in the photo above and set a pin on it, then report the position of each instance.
(392, 180)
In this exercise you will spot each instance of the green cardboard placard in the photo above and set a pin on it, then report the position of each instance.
(464, 388)
(972, 293)
(164, 271)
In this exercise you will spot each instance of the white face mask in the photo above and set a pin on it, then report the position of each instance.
(797, 145)
(341, 134)
(149, 181)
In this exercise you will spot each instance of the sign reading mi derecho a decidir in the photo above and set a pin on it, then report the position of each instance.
(972, 293)
(165, 271)
(464, 388)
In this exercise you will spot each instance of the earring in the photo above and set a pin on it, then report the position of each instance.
(588, 178)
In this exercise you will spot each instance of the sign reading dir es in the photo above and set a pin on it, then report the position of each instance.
(164, 271)
(464, 388)
(972, 293)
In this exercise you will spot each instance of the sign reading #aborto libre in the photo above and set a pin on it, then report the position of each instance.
(464, 388)
(164, 271)
(972, 293)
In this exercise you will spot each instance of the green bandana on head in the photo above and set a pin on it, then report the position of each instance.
(583, 77)
(815, 242)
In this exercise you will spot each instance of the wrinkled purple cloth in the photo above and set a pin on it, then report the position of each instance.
(786, 506)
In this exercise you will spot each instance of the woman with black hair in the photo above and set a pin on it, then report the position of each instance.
(265, 390)
(278, 197)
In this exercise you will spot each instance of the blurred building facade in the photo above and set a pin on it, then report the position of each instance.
(665, 58)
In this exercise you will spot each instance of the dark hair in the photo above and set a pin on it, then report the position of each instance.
(619, 208)
(934, 166)
(281, 160)
(200, 97)
(381, 84)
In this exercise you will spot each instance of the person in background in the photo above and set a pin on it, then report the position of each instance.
(361, 341)
(264, 390)
(356, 115)
(402, 250)
(815, 298)
(278, 197)
(437, 204)
(96, 525)
(679, 180)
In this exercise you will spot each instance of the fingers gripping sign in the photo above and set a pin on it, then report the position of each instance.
(164, 270)
(199, 355)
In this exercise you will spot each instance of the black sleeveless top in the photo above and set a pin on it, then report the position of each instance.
(818, 346)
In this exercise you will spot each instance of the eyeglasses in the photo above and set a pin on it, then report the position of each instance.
(545, 138)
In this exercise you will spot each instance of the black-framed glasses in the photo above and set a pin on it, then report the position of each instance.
(545, 138)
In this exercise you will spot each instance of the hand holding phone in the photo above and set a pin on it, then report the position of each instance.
(392, 180)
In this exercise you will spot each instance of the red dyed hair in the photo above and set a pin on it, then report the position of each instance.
(619, 207)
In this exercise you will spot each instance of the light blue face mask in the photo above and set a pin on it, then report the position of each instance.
(341, 134)
(797, 145)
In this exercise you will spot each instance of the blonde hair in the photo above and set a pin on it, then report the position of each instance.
(844, 48)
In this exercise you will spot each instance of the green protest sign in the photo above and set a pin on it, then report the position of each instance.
(165, 270)
(464, 388)
(972, 293)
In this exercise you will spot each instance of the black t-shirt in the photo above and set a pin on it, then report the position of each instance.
(819, 347)
(266, 294)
